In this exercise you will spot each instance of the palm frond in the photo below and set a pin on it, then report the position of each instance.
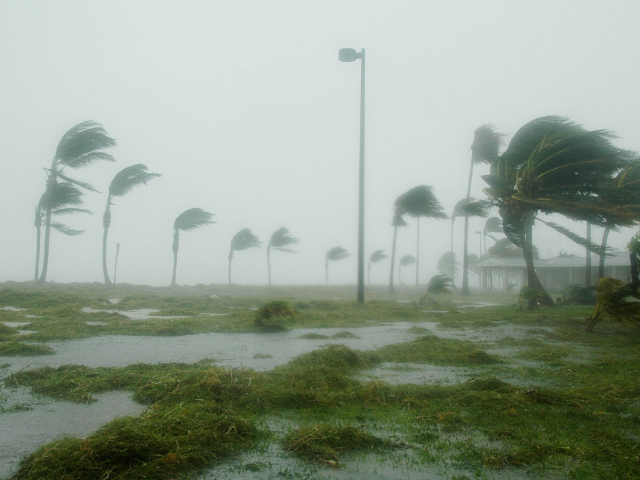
(66, 230)
(337, 253)
(192, 219)
(84, 185)
(479, 208)
(618, 301)
(486, 144)
(420, 201)
(439, 284)
(378, 256)
(592, 247)
(128, 178)
(458, 209)
(244, 240)
(82, 145)
(282, 238)
(60, 195)
(407, 260)
(68, 211)
(504, 248)
(493, 225)
(444, 263)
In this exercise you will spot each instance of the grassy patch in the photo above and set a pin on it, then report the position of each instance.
(22, 349)
(313, 336)
(344, 334)
(5, 330)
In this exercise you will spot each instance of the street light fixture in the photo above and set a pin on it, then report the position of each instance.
(350, 55)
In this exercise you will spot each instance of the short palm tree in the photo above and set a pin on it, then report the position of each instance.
(333, 255)
(63, 198)
(123, 182)
(396, 221)
(185, 222)
(375, 257)
(243, 240)
(279, 241)
(484, 149)
(439, 284)
(405, 262)
(79, 147)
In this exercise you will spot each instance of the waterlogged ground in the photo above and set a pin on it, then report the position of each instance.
(456, 388)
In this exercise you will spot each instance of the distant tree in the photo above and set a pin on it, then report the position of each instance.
(123, 182)
(243, 240)
(185, 222)
(404, 262)
(333, 255)
(458, 211)
(279, 241)
(492, 225)
(446, 262)
(63, 198)
(375, 257)
(79, 147)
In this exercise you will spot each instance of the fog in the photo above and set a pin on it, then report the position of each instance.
(245, 110)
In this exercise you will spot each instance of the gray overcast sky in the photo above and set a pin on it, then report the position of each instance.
(247, 112)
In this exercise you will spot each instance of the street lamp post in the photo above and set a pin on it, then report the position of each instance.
(350, 55)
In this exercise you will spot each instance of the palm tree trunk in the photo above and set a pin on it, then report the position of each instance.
(603, 246)
(587, 280)
(465, 260)
(39, 228)
(418, 254)
(393, 260)
(532, 277)
(175, 247)
(453, 266)
(106, 223)
(269, 263)
(51, 181)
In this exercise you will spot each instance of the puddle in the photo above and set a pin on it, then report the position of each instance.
(97, 323)
(33, 316)
(401, 373)
(13, 309)
(477, 304)
(26, 332)
(435, 311)
(24, 431)
(142, 314)
(114, 301)
(16, 324)
(214, 314)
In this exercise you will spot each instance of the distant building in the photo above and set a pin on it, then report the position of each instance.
(554, 273)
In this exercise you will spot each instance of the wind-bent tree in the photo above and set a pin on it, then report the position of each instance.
(553, 165)
(185, 222)
(375, 257)
(419, 202)
(79, 147)
(492, 225)
(396, 221)
(458, 211)
(448, 264)
(63, 198)
(243, 240)
(279, 241)
(333, 255)
(484, 149)
(405, 262)
(123, 182)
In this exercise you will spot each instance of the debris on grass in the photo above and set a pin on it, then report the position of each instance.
(267, 315)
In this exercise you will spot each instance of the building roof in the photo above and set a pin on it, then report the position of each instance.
(617, 259)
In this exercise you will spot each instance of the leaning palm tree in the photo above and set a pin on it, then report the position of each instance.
(419, 202)
(405, 262)
(123, 182)
(492, 225)
(448, 264)
(79, 147)
(375, 257)
(185, 222)
(484, 149)
(396, 221)
(618, 301)
(279, 241)
(243, 240)
(63, 198)
(333, 255)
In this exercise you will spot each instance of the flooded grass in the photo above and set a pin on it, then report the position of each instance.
(23, 349)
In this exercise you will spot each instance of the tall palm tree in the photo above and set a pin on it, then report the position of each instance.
(243, 240)
(79, 147)
(123, 182)
(405, 262)
(396, 221)
(280, 240)
(185, 222)
(484, 149)
(458, 211)
(333, 255)
(553, 165)
(375, 257)
(63, 198)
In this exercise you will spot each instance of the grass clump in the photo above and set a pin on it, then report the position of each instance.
(437, 351)
(5, 330)
(344, 334)
(313, 336)
(160, 444)
(267, 315)
(23, 349)
(323, 443)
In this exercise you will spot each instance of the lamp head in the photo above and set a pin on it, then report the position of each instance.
(348, 55)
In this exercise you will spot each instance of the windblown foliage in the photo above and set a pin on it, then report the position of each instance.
(337, 253)
(439, 284)
(128, 178)
(618, 301)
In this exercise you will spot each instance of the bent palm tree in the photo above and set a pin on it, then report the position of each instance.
(439, 284)
(458, 211)
(333, 255)
(185, 222)
(123, 182)
(63, 198)
(404, 262)
(396, 221)
(280, 240)
(484, 149)
(375, 257)
(618, 301)
(79, 147)
(243, 240)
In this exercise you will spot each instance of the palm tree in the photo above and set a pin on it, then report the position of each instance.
(396, 221)
(484, 149)
(448, 264)
(419, 202)
(243, 240)
(79, 147)
(404, 262)
(555, 166)
(63, 198)
(618, 301)
(458, 211)
(492, 225)
(333, 255)
(123, 182)
(185, 222)
(280, 240)
(439, 284)
(375, 257)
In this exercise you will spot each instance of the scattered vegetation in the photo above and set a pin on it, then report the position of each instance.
(436, 351)
(267, 315)
(23, 349)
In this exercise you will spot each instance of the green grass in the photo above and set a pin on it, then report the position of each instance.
(437, 351)
(22, 349)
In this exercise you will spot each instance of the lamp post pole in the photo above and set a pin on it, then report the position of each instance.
(350, 55)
